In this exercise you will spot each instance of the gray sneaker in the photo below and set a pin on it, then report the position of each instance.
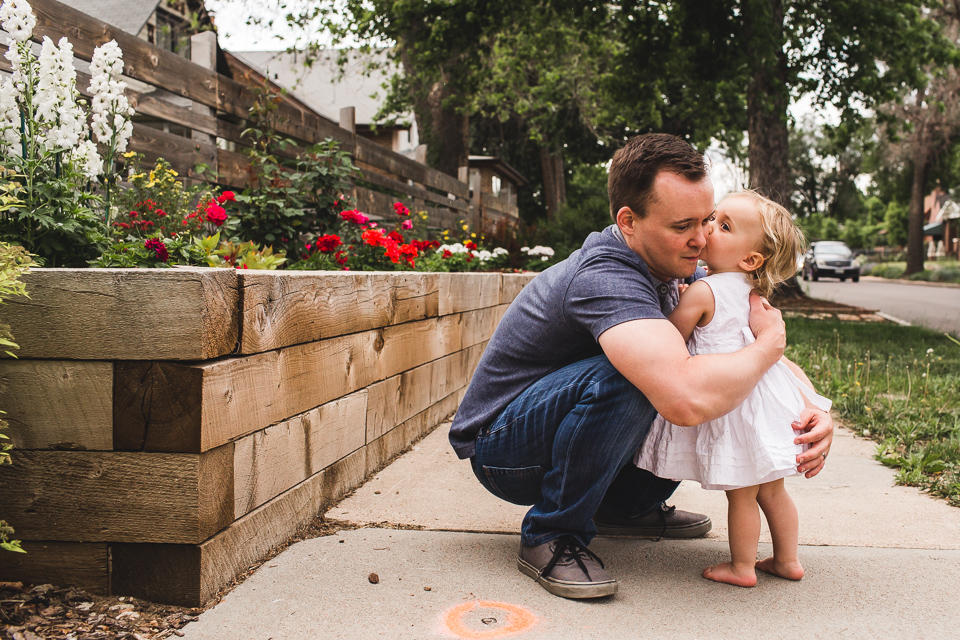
(566, 568)
(665, 522)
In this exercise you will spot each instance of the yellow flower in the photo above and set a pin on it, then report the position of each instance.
(174, 173)
(139, 176)
(473, 235)
(867, 409)
(466, 227)
(129, 154)
(152, 176)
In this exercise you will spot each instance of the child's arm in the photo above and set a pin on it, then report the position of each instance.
(695, 309)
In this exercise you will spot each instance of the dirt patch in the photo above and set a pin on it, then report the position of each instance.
(824, 309)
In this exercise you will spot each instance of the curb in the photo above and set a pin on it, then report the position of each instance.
(942, 285)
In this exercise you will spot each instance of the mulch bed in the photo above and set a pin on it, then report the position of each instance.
(46, 611)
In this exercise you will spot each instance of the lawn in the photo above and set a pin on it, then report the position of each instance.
(897, 385)
(933, 271)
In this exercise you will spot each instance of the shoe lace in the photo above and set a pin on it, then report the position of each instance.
(569, 548)
(664, 510)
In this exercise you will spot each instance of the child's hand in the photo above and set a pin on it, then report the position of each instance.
(682, 287)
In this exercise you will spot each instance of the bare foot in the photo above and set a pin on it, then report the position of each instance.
(789, 570)
(727, 572)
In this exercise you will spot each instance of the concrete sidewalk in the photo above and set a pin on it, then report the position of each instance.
(882, 562)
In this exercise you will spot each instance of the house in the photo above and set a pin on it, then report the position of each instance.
(165, 23)
(942, 224)
(493, 191)
(322, 85)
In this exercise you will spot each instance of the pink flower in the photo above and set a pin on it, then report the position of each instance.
(406, 224)
(401, 209)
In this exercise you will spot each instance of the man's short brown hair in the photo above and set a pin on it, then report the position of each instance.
(636, 165)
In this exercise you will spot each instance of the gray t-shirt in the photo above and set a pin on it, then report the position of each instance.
(555, 321)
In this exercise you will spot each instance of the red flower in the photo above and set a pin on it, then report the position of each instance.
(373, 237)
(226, 196)
(156, 245)
(341, 258)
(447, 253)
(327, 243)
(216, 214)
(161, 213)
(133, 214)
(469, 244)
(396, 236)
(408, 251)
(401, 209)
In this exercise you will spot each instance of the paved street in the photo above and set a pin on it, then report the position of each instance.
(935, 307)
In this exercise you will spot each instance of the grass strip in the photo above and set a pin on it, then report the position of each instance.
(898, 385)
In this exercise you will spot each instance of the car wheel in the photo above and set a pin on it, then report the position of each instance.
(843, 279)
(814, 275)
(804, 274)
(855, 278)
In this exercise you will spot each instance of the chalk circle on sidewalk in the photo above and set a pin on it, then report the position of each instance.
(487, 620)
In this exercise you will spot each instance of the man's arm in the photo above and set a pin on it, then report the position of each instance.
(688, 390)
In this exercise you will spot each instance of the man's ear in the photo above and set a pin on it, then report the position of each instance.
(625, 218)
(752, 262)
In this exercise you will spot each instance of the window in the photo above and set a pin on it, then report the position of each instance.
(495, 185)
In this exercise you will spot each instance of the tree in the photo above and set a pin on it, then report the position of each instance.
(923, 123)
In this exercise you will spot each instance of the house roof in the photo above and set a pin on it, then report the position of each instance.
(128, 15)
(321, 85)
(498, 165)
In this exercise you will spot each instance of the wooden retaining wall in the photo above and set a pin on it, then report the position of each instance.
(173, 426)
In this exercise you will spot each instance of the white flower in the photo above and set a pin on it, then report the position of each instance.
(111, 110)
(524, 249)
(541, 251)
(929, 351)
(86, 159)
(452, 248)
(60, 118)
(544, 258)
(9, 118)
(17, 19)
(500, 251)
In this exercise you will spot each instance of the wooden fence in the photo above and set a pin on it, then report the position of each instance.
(219, 111)
(174, 426)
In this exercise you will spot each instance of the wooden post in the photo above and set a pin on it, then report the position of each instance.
(203, 51)
(348, 119)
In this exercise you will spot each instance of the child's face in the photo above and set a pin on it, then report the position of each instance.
(734, 237)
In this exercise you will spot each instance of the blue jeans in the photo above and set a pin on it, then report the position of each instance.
(565, 445)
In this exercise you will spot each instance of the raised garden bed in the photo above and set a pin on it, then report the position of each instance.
(173, 426)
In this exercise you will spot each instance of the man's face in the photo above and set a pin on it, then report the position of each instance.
(672, 234)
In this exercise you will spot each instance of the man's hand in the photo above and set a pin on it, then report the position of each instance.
(817, 426)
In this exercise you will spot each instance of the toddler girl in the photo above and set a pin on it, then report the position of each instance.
(752, 244)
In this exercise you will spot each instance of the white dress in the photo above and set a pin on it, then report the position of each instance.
(752, 444)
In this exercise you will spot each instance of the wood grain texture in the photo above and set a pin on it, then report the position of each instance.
(126, 314)
(195, 407)
(84, 565)
(512, 284)
(468, 291)
(192, 575)
(286, 308)
(391, 444)
(142, 60)
(58, 404)
(182, 153)
(271, 461)
(81, 496)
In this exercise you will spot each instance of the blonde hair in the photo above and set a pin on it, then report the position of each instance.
(782, 244)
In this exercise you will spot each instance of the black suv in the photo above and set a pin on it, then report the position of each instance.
(829, 259)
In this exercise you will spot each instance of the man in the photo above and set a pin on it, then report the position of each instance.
(583, 360)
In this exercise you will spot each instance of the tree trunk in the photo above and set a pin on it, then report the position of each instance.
(554, 180)
(915, 220)
(440, 126)
(767, 101)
